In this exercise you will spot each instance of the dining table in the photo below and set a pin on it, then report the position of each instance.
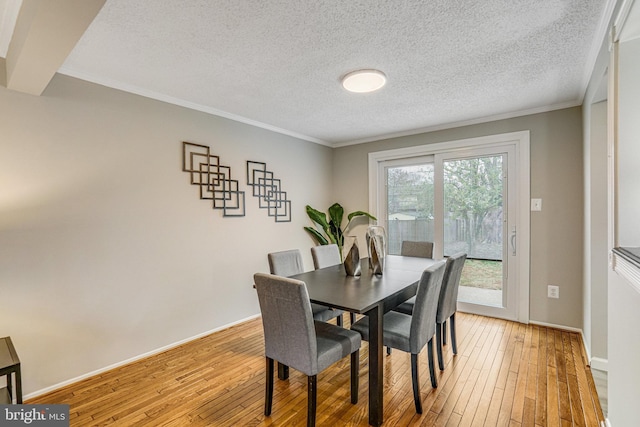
(371, 295)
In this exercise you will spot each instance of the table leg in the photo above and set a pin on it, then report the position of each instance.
(18, 387)
(376, 379)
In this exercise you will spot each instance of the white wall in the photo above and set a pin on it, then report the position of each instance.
(628, 156)
(624, 348)
(106, 250)
(624, 300)
(596, 241)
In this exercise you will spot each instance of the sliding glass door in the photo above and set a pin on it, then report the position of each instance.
(463, 201)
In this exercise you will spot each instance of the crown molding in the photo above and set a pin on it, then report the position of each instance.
(451, 125)
(183, 103)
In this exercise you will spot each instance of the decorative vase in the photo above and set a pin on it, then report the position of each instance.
(352, 256)
(377, 248)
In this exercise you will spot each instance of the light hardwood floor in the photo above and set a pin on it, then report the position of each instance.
(505, 374)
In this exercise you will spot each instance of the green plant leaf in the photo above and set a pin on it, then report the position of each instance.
(319, 238)
(336, 212)
(332, 226)
(335, 233)
(360, 213)
(318, 217)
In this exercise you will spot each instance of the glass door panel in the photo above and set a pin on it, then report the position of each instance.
(410, 208)
(473, 222)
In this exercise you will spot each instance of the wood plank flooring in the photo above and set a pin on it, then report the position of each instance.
(505, 374)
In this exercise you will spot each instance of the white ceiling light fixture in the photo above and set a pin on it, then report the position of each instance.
(363, 81)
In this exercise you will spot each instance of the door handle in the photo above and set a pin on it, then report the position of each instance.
(513, 241)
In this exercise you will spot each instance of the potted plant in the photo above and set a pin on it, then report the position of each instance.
(331, 226)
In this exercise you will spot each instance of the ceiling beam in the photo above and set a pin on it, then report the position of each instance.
(45, 33)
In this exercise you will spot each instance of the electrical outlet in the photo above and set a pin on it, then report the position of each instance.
(553, 291)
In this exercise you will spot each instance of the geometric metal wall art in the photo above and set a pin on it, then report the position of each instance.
(268, 191)
(213, 179)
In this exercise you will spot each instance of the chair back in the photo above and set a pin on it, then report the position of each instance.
(325, 256)
(417, 249)
(286, 263)
(448, 301)
(423, 317)
(289, 332)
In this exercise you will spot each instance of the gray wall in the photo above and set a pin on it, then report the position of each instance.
(556, 177)
(106, 250)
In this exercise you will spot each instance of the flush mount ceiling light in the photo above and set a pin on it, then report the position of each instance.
(363, 81)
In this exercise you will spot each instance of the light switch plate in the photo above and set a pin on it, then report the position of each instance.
(536, 205)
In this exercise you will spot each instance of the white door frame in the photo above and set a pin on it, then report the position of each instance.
(520, 141)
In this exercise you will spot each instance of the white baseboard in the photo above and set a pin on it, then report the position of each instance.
(600, 364)
(134, 359)
(551, 325)
(595, 362)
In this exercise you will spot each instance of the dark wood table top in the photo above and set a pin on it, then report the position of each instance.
(399, 281)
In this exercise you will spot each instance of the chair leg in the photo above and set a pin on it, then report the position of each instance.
(339, 320)
(312, 394)
(388, 351)
(268, 397)
(432, 371)
(352, 317)
(439, 346)
(416, 383)
(355, 376)
(444, 333)
(283, 371)
(454, 346)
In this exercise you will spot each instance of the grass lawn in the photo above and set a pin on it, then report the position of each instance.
(482, 274)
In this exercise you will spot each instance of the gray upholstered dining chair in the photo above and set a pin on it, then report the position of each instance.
(293, 338)
(326, 256)
(288, 263)
(417, 249)
(447, 305)
(410, 332)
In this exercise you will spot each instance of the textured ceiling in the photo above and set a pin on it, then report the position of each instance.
(278, 63)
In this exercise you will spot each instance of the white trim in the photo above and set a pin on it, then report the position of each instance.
(601, 33)
(595, 362)
(134, 359)
(561, 327)
(621, 19)
(441, 147)
(627, 270)
(451, 125)
(522, 140)
(183, 103)
(205, 109)
(599, 364)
